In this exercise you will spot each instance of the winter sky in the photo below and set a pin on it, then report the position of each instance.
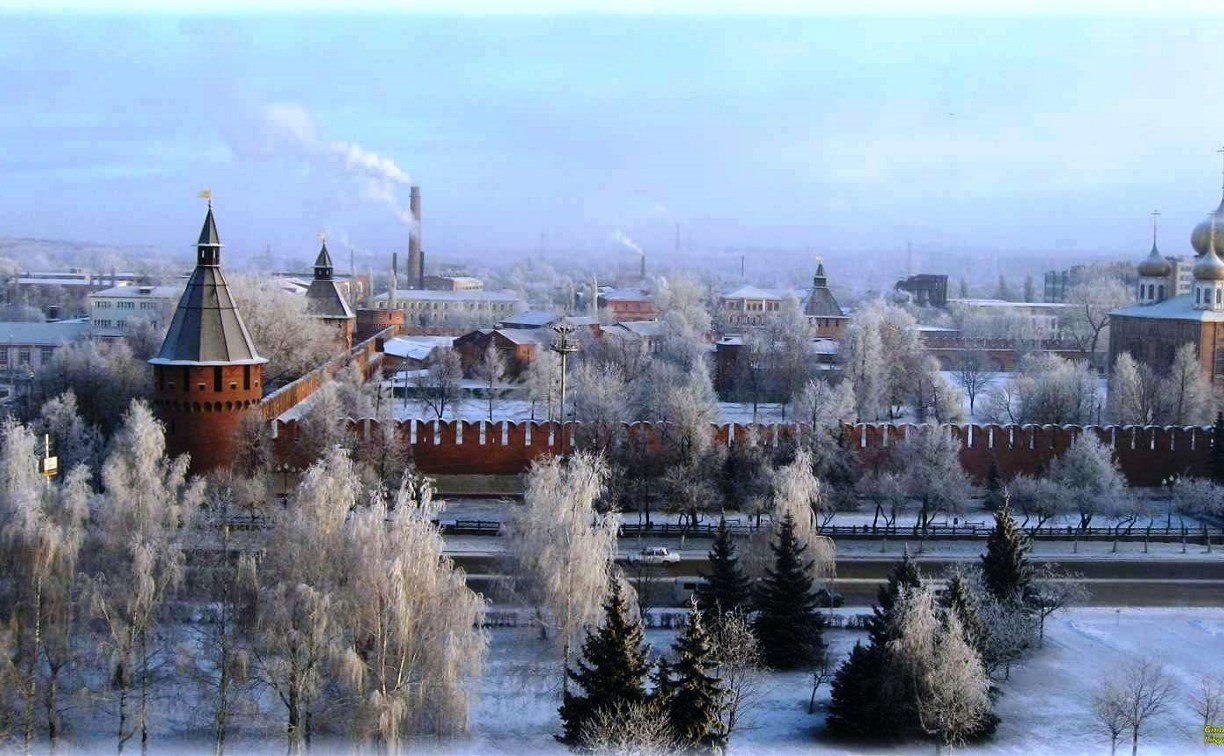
(840, 133)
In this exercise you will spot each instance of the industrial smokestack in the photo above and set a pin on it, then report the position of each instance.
(395, 262)
(416, 260)
(642, 271)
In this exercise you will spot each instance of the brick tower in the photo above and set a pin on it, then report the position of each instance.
(325, 301)
(207, 374)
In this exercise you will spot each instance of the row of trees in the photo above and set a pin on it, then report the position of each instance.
(348, 616)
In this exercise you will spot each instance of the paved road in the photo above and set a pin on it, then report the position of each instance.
(1110, 582)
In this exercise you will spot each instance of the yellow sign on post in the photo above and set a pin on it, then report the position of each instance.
(49, 466)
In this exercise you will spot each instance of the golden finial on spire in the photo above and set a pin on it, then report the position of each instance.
(207, 194)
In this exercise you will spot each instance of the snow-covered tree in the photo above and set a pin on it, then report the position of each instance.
(1046, 389)
(1133, 697)
(561, 550)
(788, 624)
(887, 492)
(491, 370)
(1135, 396)
(1087, 320)
(1207, 699)
(1006, 572)
(42, 528)
(1052, 590)
(104, 376)
(74, 441)
(1037, 499)
(136, 556)
(725, 588)
(825, 406)
(738, 656)
(543, 380)
(864, 358)
(1089, 474)
(928, 461)
(413, 626)
(599, 394)
(697, 698)
(934, 397)
(1187, 393)
(797, 493)
(293, 342)
(971, 372)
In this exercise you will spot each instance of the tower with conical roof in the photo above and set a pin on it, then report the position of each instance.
(824, 315)
(1153, 286)
(207, 375)
(325, 301)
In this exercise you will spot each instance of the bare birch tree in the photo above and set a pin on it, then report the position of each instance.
(491, 370)
(1208, 700)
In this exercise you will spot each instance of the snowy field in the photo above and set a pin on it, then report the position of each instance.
(1045, 707)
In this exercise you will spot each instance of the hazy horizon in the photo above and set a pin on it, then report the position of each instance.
(971, 139)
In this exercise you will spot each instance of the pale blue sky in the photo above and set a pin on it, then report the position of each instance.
(834, 134)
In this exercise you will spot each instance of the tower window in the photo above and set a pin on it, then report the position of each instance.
(186, 380)
(217, 378)
(246, 377)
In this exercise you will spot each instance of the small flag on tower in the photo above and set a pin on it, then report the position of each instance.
(206, 194)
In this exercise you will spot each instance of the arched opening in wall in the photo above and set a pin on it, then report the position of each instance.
(216, 406)
(195, 406)
(229, 406)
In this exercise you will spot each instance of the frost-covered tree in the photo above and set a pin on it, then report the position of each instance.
(293, 342)
(543, 379)
(1090, 476)
(1053, 589)
(136, 557)
(1087, 319)
(74, 440)
(491, 370)
(324, 423)
(928, 461)
(1207, 699)
(413, 626)
(104, 376)
(825, 406)
(42, 528)
(934, 397)
(1188, 396)
(1132, 698)
(1047, 389)
(1135, 395)
(797, 493)
(560, 549)
(1037, 499)
(300, 622)
(639, 729)
(887, 493)
(737, 654)
(599, 394)
(864, 358)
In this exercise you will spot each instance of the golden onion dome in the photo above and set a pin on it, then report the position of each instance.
(1199, 236)
(1154, 265)
(1209, 267)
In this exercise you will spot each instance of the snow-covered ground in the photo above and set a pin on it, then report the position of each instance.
(1045, 708)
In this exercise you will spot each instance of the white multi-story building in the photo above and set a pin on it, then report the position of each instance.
(112, 312)
(469, 309)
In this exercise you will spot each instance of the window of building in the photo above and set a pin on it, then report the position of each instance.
(23, 356)
(44, 354)
(217, 378)
(4, 356)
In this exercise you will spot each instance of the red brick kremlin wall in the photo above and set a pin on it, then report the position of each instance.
(1147, 455)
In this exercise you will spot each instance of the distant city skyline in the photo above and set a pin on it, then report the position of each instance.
(991, 137)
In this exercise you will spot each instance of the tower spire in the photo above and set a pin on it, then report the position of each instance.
(1155, 221)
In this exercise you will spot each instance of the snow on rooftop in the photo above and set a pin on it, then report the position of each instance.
(1180, 307)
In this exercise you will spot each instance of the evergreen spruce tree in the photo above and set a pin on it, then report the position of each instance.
(1217, 449)
(994, 488)
(959, 600)
(904, 575)
(856, 706)
(1006, 572)
(726, 588)
(788, 625)
(861, 705)
(612, 669)
(695, 706)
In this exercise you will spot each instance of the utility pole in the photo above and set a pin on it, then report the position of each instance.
(564, 347)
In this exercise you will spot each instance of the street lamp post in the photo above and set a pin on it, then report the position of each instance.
(564, 347)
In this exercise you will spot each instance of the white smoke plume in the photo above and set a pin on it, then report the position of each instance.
(289, 130)
(626, 241)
